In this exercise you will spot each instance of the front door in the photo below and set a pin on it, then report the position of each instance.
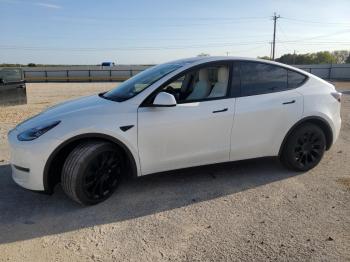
(196, 131)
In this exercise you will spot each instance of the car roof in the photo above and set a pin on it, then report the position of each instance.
(205, 59)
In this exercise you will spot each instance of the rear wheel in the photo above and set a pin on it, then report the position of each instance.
(304, 148)
(92, 172)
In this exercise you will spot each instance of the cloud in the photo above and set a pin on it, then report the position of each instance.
(47, 5)
(40, 4)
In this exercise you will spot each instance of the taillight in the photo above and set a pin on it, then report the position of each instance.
(337, 96)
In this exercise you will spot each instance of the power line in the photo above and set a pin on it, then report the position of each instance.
(279, 27)
(316, 42)
(284, 35)
(281, 42)
(123, 38)
(165, 22)
(88, 49)
(119, 18)
(320, 36)
(251, 48)
(315, 22)
(305, 41)
(43, 48)
(321, 43)
(282, 31)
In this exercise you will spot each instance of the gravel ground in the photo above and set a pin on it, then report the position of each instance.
(245, 211)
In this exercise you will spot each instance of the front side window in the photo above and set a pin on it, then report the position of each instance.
(260, 78)
(205, 83)
(140, 82)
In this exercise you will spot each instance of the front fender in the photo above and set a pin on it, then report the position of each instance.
(131, 153)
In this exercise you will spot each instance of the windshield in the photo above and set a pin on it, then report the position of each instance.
(140, 82)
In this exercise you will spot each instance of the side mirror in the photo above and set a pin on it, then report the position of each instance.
(164, 99)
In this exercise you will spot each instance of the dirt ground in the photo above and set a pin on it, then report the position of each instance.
(245, 211)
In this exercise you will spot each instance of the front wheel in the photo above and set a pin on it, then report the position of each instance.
(91, 172)
(304, 148)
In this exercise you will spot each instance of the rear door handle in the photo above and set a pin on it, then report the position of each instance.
(219, 111)
(289, 102)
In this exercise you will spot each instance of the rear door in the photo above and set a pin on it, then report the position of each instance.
(266, 108)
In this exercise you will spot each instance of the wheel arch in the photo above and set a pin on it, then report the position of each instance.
(319, 121)
(54, 163)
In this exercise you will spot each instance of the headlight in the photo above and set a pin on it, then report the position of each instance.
(34, 133)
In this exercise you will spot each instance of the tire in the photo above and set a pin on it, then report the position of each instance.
(91, 172)
(304, 148)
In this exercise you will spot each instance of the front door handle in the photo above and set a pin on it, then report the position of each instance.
(289, 102)
(219, 111)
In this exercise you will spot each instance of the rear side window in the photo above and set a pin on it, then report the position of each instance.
(295, 79)
(260, 78)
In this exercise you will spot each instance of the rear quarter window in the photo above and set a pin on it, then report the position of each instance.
(295, 79)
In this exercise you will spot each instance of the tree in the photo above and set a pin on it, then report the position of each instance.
(299, 59)
(286, 59)
(324, 57)
(348, 60)
(264, 57)
(341, 56)
(31, 65)
(203, 54)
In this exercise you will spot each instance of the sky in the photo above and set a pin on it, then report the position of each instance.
(155, 31)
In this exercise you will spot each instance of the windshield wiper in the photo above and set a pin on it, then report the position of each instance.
(104, 97)
(114, 99)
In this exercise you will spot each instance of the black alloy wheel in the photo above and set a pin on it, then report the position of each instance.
(92, 172)
(309, 148)
(304, 148)
(102, 175)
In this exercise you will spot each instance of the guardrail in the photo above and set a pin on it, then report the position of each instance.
(325, 71)
(78, 75)
(328, 71)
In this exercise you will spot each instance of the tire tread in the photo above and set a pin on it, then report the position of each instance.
(71, 168)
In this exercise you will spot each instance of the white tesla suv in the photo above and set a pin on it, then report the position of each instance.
(180, 114)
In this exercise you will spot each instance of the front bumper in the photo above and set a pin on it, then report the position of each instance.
(28, 159)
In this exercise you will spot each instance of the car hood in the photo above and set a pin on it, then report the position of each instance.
(64, 109)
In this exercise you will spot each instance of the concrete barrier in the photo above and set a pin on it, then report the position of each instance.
(121, 73)
(328, 71)
(79, 75)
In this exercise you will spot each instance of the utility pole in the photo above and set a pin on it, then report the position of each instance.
(270, 50)
(294, 54)
(274, 35)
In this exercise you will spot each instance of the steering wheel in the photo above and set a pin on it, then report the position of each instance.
(170, 90)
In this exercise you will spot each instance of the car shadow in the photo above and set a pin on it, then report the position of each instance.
(26, 215)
